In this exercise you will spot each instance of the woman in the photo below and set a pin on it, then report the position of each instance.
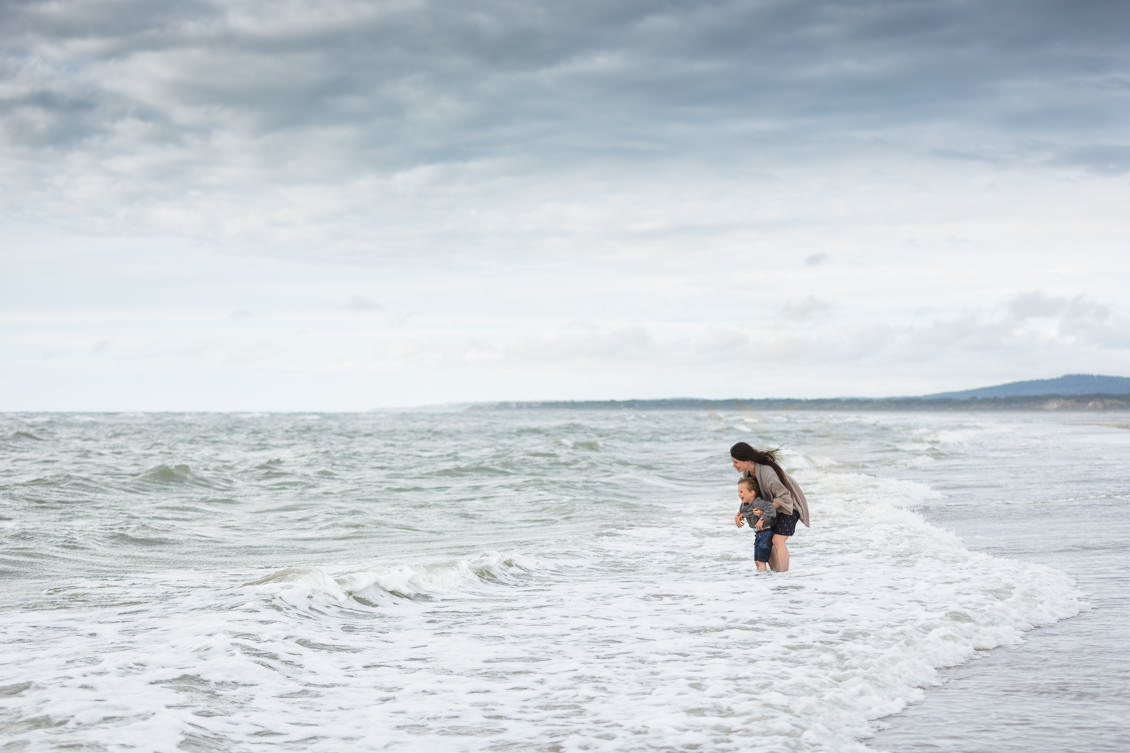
(777, 487)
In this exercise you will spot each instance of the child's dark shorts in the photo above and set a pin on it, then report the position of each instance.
(785, 525)
(762, 545)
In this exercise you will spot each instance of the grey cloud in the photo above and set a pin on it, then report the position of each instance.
(427, 82)
(621, 343)
(1079, 319)
(1022, 327)
(1035, 304)
(967, 155)
(564, 348)
(97, 20)
(1034, 332)
(805, 310)
(1032, 304)
(47, 119)
(197, 118)
(362, 303)
(1105, 159)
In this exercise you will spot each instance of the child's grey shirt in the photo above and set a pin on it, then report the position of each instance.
(768, 512)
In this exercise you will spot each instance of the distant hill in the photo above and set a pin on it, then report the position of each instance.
(1069, 384)
(1069, 392)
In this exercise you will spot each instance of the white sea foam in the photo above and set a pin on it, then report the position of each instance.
(313, 587)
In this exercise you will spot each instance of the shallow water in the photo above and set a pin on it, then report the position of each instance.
(478, 580)
(1065, 687)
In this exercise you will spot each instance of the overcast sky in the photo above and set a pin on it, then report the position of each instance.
(344, 204)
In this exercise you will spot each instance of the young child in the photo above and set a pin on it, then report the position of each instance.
(759, 513)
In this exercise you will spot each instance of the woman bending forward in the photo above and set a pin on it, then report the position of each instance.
(781, 489)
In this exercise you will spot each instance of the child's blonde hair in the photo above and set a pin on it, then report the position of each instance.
(750, 483)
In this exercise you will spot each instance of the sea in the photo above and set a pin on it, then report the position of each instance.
(472, 579)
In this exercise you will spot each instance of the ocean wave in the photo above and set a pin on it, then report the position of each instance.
(837, 489)
(580, 444)
(475, 470)
(137, 539)
(313, 587)
(18, 436)
(177, 475)
(62, 486)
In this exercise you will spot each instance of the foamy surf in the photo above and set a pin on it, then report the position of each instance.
(579, 595)
(302, 587)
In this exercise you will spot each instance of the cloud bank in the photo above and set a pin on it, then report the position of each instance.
(411, 202)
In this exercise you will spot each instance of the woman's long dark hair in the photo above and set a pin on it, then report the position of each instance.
(745, 452)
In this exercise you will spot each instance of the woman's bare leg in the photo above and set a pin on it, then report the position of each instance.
(779, 557)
